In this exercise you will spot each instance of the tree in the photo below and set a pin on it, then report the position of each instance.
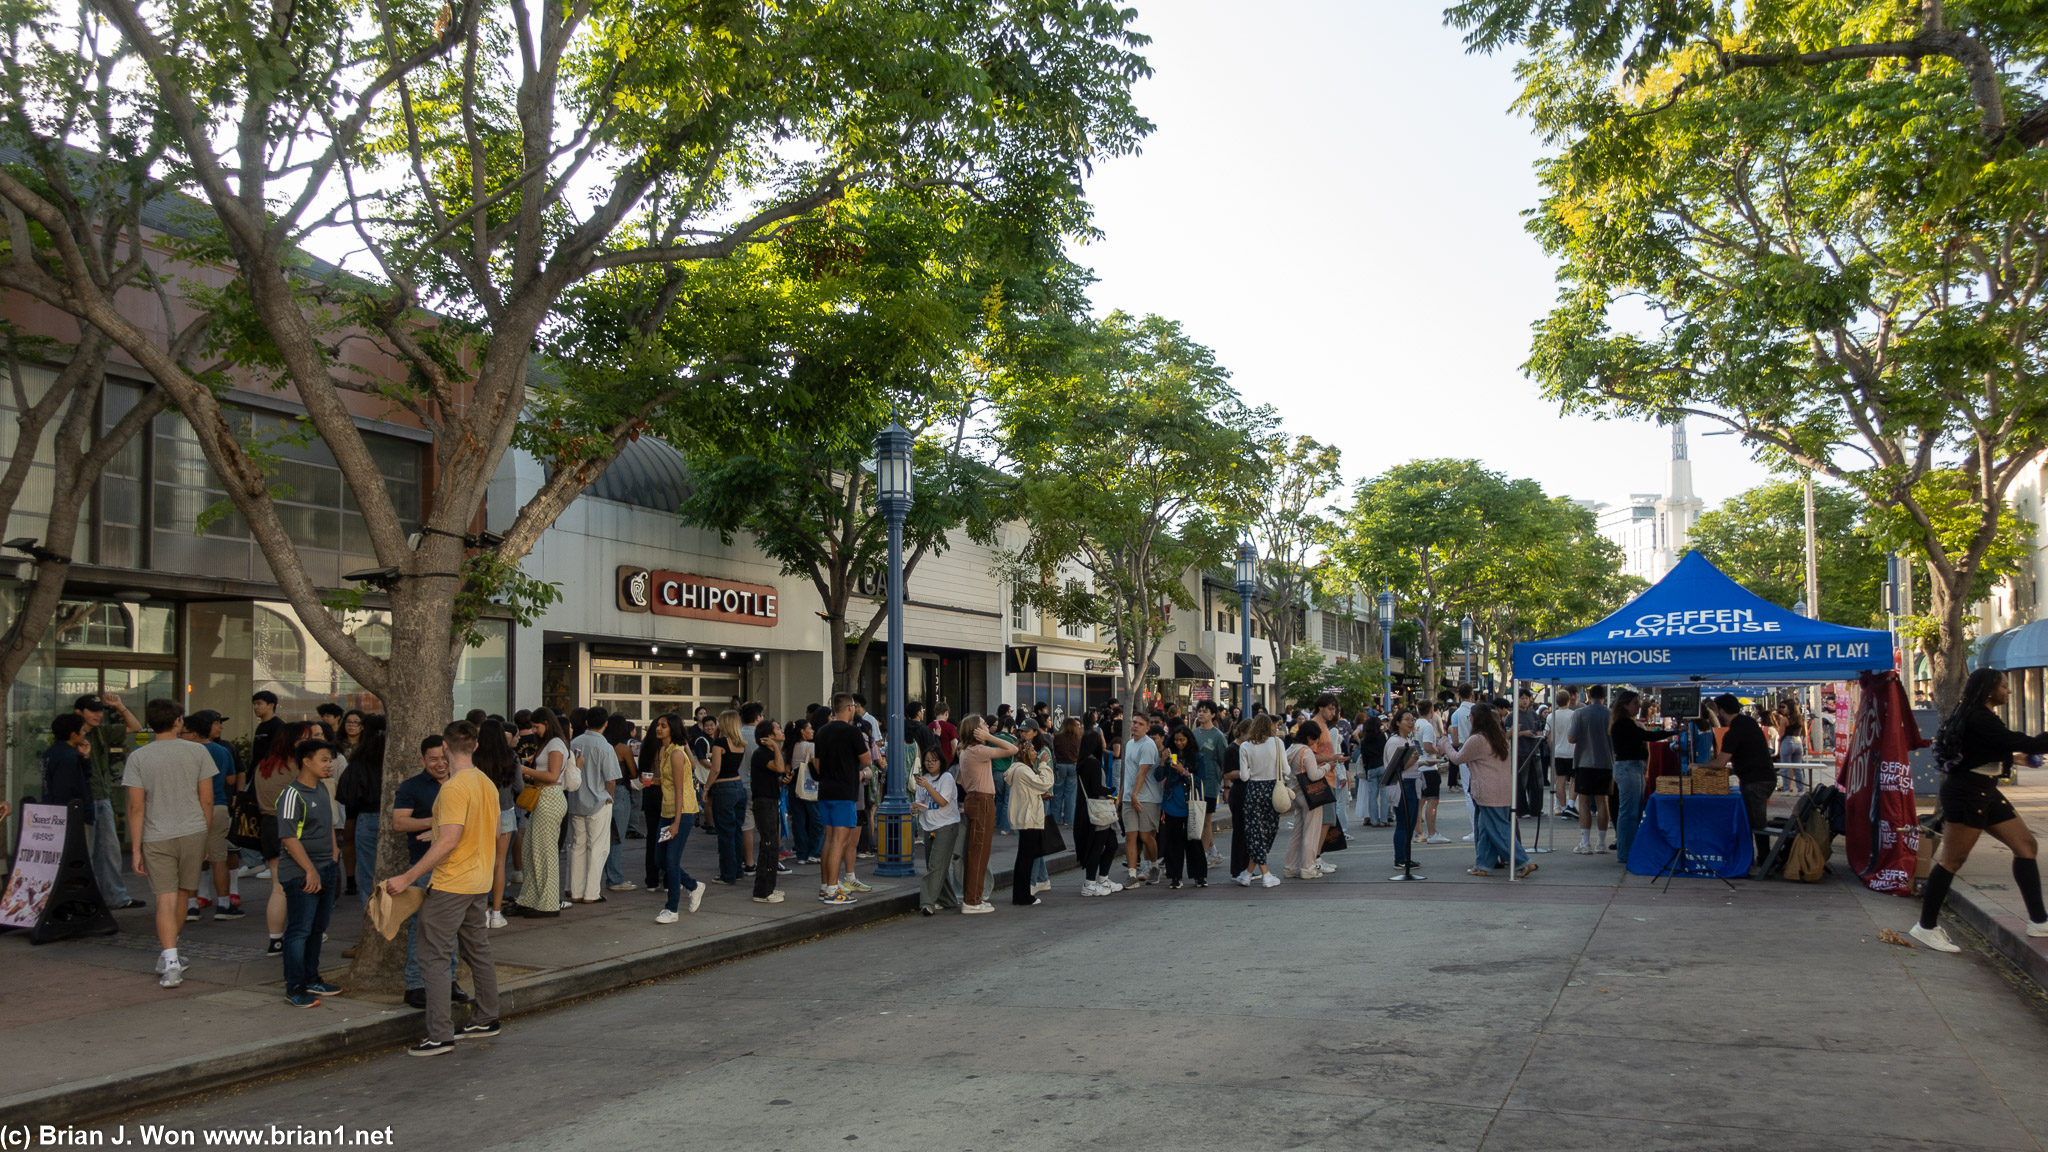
(494, 162)
(1839, 257)
(1134, 458)
(100, 197)
(1758, 538)
(1559, 575)
(1289, 524)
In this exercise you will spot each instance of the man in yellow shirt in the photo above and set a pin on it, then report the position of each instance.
(458, 896)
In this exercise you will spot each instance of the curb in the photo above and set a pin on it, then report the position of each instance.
(2007, 933)
(84, 1100)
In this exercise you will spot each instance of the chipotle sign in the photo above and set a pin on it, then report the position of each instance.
(697, 597)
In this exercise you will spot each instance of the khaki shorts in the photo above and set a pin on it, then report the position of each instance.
(217, 848)
(1141, 817)
(173, 865)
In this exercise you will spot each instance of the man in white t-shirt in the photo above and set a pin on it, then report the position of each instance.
(1142, 794)
(1432, 765)
(1461, 731)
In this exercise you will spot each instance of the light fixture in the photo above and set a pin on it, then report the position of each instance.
(723, 654)
(689, 651)
(1799, 609)
(36, 551)
(757, 657)
(1247, 564)
(892, 465)
(383, 578)
(1386, 610)
(655, 649)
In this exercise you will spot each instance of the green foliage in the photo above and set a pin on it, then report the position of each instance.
(1303, 676)
(1839, 259)
(1758, 538)
(1135, 460)
(1290, 524)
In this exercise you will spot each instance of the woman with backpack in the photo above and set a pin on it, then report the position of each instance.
(1973, 749)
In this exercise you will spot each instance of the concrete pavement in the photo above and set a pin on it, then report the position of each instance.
(1571, 1011)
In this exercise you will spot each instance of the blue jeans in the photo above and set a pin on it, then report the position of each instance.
(1038, 873)
(305, 921)
(672, 859)
(107, 860)
(1063, 785)
(1404, 821)
(729, 811)
(1628, 804)
(1492, 838)
(413, 979)
(1377, 809)
(366, 851)
(624, 804)
(806, 829)
(1003, 802)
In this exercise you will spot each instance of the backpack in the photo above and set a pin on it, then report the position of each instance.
(1812, 842)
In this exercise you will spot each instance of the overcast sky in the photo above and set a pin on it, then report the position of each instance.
(1332, 202)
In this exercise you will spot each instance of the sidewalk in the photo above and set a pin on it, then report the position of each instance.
(1985, 896)
(89, 1033)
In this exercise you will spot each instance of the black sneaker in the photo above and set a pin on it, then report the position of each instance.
(785, 869)
(1201, 883)
(431, 1048)
(231, 912)
(276, 945)
(478, 1031)
(323, 988)
(416, 998)
(350, 889)
(458, 996)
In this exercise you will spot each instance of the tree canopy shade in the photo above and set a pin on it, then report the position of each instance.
(496, 164)
(1135, 461)
(1758, 538)
(1830, 257)
(1290, 525)
(1449, 537)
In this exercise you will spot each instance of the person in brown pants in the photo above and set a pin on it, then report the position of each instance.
(978, 749)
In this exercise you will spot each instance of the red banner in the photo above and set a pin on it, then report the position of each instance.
(1883, 833)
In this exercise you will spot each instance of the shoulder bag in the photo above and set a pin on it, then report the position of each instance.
(1314, 793)
(1102, 812)
(1198, 808)
(572, 771)
(1283, 797)
(245, 816)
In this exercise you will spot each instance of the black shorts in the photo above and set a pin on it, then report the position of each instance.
(1563, 767)
(1593, 781)
(1973, 800)
(1432, 783)
(272, 848)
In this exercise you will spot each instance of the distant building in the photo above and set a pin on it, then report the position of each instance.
(1651, 529)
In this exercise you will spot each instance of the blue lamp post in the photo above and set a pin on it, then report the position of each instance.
(892, 488)
(1247, 576)
(1387, 648)
(1465, 635)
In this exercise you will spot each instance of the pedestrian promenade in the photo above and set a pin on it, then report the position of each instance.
(105, 1039)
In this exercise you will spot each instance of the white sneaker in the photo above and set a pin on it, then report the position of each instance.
(627, 886)
(1582, 849)
(1215, 858)
(1935, 938)
(1244, 879)
(263, 875)
(1291, 873)
(978, 909)
(1041, 886)
(771, 898)
(2040, 929)
(1090, 889)
(495, 919)
(1108, 886)
(1326, 867)
(1439, 838)
(1271, 881)
(696, 896)
(666, 917)
(1466, 838)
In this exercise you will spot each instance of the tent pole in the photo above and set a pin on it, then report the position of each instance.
(1514, 772)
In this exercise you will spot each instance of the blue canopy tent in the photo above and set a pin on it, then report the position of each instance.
(1696, 625)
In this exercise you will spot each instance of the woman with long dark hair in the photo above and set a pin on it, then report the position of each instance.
(675, 772)
(498, 759)
(1259, 764)
(361, 791)
(1973, 749)
(1631, 767)
(1094, 845)
(540, 889)
(666, 728)
(1181, 776)
(273, 773)
(1490, 782)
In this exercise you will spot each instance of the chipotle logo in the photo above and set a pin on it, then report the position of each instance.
(697, 597)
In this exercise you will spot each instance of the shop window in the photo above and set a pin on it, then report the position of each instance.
(1330, 639)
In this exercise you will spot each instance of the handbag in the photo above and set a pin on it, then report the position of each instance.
(1314, 793)
(527, 798)
(1333, 838)
(572, 772)
(1050, 840)
(245, 820)
(1102, 812)
(1198, 810)
(1283, 797)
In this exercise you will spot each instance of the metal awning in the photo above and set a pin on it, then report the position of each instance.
(1187, 666)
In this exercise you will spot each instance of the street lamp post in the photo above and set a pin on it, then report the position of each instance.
(892, 487)
(1247, 574)
(1465, 634)
(1387, 648)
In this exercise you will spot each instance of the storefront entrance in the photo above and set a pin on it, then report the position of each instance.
(641, 688)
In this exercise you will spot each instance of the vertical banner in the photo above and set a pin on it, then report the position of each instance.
(1844, 733)
(36, 860)
(1883, 831)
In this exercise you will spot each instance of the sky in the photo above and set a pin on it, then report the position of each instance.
(1332, 202)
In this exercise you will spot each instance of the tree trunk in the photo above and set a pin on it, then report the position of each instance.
(1948, 659)
(419, 701)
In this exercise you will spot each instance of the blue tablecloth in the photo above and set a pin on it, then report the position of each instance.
(1716, 835)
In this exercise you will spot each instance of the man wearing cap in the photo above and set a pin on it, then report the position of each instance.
(102, 735)
(203, 729)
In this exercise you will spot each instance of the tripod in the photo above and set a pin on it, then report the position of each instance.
(1682, 862)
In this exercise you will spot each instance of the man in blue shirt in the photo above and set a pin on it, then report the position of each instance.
(203, 729)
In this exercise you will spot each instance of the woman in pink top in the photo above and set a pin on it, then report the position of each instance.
(978, 748)
(1490, 784)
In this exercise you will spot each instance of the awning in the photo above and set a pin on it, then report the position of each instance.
(2023, 647)
(1187, 666)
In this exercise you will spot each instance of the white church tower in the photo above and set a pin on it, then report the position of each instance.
(1678, 509)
